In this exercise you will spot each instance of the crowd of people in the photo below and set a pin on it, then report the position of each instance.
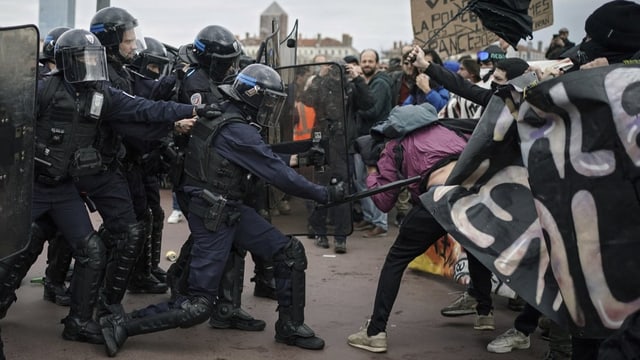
(115, 110)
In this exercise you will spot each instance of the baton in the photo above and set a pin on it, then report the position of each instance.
(367, 193)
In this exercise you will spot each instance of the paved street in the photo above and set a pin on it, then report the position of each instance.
(340, 291)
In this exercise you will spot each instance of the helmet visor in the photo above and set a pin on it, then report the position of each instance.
(271, 107)
(220, 69)
(84, 64)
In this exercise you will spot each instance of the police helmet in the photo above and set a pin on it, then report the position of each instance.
(80, 56)
(260, 88)
(110, 24)
(49, 43)
(217, 50)
(152, 61)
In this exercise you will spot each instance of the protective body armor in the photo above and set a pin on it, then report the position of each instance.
(66, 133)
(205, 168)
(110, 144)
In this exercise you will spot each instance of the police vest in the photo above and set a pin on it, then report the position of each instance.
(109, 142)
(66, 130)
(207, 169)
(197, 88)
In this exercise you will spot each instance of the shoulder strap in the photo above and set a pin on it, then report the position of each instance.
(45, 99)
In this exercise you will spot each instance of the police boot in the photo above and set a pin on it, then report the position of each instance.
(226, 317)
(228, 312)
(142, 281)
(117, 327)
(146, 284)
(87, 277)
(56, 293)
(290, 264)
(58, 261)
(15, 268)
(265, 283)
(156, 245)
(291, 330)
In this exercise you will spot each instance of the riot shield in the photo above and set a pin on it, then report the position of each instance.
(18, 60)
(315, 117)
(289, 48)
(268, 52)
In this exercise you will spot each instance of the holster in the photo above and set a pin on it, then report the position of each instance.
(212, 212)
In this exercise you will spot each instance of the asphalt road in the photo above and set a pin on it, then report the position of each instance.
(340, 291)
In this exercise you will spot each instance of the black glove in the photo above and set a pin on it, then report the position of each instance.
(315, 156)
(209, 111)
(336, 191)
(369, 148)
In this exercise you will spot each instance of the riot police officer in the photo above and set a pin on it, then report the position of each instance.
(143, 163)
(58, 253)
(224, 155)
(46, 60)
(122, 231)
(214, 57)
(73, 101)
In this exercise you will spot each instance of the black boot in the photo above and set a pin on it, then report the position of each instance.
(84, 331)
(228, 312)
(85, 284)
(295, 332)
(226, 317)
(156, 245)
(142, 281)
(290, 263)
(56, 293)
(146, 284)
(265, 283)
(265, 287)
(58, 261)
(117, 327)
(322, 241)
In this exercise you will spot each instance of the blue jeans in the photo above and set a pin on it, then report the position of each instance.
(174, 205)
(370, 212)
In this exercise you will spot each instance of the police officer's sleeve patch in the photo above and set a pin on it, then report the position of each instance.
(196, 99)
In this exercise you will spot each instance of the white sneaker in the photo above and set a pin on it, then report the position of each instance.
(175, 217)
(512, 339)
(376, 343)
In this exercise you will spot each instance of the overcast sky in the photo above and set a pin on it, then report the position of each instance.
(373, 23)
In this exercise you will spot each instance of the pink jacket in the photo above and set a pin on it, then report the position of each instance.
(423, 148)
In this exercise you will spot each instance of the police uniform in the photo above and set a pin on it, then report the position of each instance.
(223, 156)
(197, 87)
(122, 231)
(141, 167)
(66, 133)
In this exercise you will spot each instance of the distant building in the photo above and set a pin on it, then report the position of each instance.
(274, 11)
(307, 48)
(55, 13)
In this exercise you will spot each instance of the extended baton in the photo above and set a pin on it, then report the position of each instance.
(367, 193)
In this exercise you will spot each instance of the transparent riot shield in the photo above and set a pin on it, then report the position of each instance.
(315, 118)
(269, 50)
(18, 60)
(289, 48)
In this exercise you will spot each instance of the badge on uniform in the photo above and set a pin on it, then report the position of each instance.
(196, 99)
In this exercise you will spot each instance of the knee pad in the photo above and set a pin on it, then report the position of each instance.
(108, 238)
(195, 311)
(292, 254)
(92, 252)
